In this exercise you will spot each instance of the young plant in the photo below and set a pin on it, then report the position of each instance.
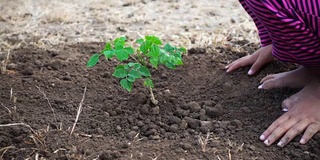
(137, 62)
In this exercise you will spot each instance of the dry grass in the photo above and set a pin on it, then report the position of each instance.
(189, 23)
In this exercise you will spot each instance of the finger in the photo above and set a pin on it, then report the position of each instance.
(242, 62)
(290, 102)
(259, 63)
(267, 78)
(311, 130)
(279, 131)
(271, 83)
(294, 131)
(228, 66)
(273, 126)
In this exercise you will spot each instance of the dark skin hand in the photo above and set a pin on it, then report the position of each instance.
(302, 110)
(258, 59)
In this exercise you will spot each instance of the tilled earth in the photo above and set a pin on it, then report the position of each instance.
(203, 113)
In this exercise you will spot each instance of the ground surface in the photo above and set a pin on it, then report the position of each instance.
(203, 113)
(195, 100)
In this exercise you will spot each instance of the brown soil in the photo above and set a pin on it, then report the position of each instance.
(195, 101)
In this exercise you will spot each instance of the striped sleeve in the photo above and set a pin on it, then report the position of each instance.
(263, 33)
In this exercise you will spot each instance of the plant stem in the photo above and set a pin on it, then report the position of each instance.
(153, 100)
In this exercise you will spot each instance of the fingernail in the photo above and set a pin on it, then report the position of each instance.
(250, 72)
(262, 137)
(260, 87)
(267, 142)
(285, 109)
(302, 141)
(280, 144)
(226, 67)
(228, 71)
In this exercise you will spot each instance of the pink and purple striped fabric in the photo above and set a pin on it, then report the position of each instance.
(291, 26)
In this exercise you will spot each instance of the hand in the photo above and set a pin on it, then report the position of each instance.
(302, 116)
(258, 59)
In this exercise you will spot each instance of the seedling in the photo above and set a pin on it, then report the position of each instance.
(137, 62)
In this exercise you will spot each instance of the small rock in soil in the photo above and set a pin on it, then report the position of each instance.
(144, 109)
(181, 113)
(224, 124)
(12, 66)
(208, 103)
(174, 128)
(140, 124)
(186, 146)
(213, 112)
(139, 99)
(206, 123)
(110, 155)
(245, 110)
(174, 120)
(67, 77)
(304, 147)
(55, 64)
(152, 126)
(144, 128)
(202, 115)
(204, 130)
(28, 71)
(125, 145)
(113, 113)
(192, 123)
(155, 110)
(135, 127)
(155, 137)
(150, 132)
(194, 115)
(99, 131)
(183, 124)
(236, 123)
(197, 51)
(118, 129)
(167, 92)
(194, 107)
(184, 106)
(252, 148)
(219, 107)
(131, 135)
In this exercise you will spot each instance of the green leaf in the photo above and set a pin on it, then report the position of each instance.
(170, 65)
(154, 62)
(145, 47)
(168, 48)
(178, 61)
(135, 66)
(154, 40)
(134, 74)
(108, 53)
(93, 60)
(144, 71)
(154, 52)
(131, 79)
(183, 50)
(126, 84)
(108, 46)
(129, 50)
(140, 41)
(148, 83)
(122, 55)
(119, 42)
(120, 72)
